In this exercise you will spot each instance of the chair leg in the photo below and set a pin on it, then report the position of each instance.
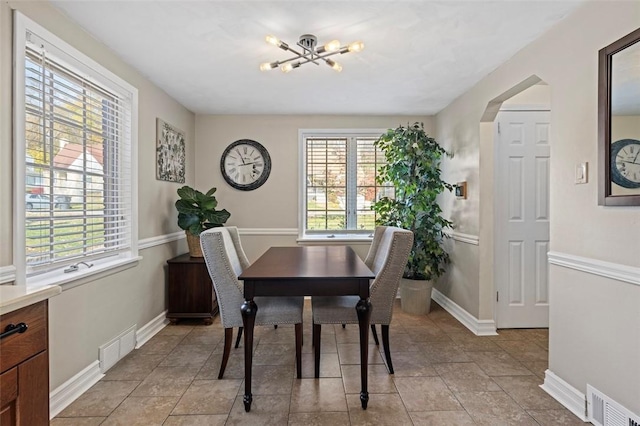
(317, 329)
(275, 326)
(228, 337)
(385, 345)
(375, 335)
(344, 325)
(239, 336)
(298, 328)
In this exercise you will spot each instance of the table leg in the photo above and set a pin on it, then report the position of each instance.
(363, 309)
(248, 311)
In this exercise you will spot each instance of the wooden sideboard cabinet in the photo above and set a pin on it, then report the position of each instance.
(191, 293)
(24, 367)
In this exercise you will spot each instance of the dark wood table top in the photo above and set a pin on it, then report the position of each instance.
(307, 262)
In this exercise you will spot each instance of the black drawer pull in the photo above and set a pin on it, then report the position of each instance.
(13, 329)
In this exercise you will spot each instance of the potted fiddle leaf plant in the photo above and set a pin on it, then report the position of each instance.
(196, 213)
(413, 168)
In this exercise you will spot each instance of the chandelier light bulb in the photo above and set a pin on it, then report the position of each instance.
(336, 66)
(272, 40)
(356, 46)
(266, 66)
(286, 67)
(332, 46)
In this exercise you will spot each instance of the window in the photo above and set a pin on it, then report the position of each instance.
(75, 127)
(339, 175)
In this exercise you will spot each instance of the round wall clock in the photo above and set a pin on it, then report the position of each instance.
(625, 163)
(245, 164)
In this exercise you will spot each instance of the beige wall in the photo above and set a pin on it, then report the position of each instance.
(85, 317)
(275, 204)
(566, 59)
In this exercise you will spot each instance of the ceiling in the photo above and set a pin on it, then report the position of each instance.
(418, 57)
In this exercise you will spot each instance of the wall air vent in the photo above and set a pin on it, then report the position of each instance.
(603, 411)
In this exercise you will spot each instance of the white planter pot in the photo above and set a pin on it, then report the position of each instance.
(415, 296)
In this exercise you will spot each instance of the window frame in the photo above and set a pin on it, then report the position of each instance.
(95, 72)
(325, 236)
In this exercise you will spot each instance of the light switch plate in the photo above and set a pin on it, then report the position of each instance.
(582, 170)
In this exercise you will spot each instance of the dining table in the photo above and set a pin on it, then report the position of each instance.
(306, 271)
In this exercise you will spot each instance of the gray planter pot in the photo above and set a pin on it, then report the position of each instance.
(415, 296)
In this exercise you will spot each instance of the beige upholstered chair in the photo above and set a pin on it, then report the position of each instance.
(225, 260)
(387, 259)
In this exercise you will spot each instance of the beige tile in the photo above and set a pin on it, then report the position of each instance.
(499, 364)
(234, 369)
(196, 420)
(509, 334)
(166, 381)
(448, 324)
(427, 333)
(266, 410)
(407, 364)
(271, 380)
(379, 379)
(437, 352)
(311, 395)
(76, 421)
(187, 356)
(135, 366)
(175, 330)
(426, 394)
(537, 367)
(101, 399)
(461, 377)
(555, 417)
(441, 418)
(329, 365)
(525, 390)
(319, 419)
(208, 397)
(275, 354)
(470, 342)
(327, 343)
(349, 353)
(382, 410)
(210, 336)
(161, 344)
(141, 411)
(494, 408)
(400, 342)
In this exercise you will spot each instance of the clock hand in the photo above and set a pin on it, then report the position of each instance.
(241, 157)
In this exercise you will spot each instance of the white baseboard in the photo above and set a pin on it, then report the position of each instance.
(478, 327)
(571, 398)
(150, 329)
(69, 391)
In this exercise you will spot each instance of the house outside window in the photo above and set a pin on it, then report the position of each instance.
(339, 169)
(75, 132)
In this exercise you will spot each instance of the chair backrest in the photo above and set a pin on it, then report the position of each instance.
(391, 247)
(225, 260)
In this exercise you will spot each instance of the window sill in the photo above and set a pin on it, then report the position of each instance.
(100, 269)
(335, 239)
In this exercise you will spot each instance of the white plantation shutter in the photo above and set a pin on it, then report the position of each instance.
(78, 160)
(340, 175)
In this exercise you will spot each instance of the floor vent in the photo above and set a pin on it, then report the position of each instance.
(113, 351)
(603, 411)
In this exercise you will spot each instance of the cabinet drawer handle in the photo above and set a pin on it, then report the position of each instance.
(13, 329)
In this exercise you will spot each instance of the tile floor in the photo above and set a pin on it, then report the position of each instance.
(444, 375)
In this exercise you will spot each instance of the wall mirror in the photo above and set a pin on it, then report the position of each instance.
(619, 122)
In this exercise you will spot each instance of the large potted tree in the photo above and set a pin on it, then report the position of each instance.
(196, 213)
(413, 167)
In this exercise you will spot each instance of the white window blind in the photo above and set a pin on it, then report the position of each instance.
(78, 160)
(340, 183)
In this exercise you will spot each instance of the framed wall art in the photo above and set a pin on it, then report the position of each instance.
(170, 152)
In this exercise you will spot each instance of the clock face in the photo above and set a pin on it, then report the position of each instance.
(245, 164)
(625, 163)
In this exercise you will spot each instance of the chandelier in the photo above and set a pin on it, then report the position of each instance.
(310, 53)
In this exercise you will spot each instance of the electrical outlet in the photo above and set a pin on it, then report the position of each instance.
(582, 170)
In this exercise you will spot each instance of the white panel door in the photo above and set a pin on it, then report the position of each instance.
(522, 219)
